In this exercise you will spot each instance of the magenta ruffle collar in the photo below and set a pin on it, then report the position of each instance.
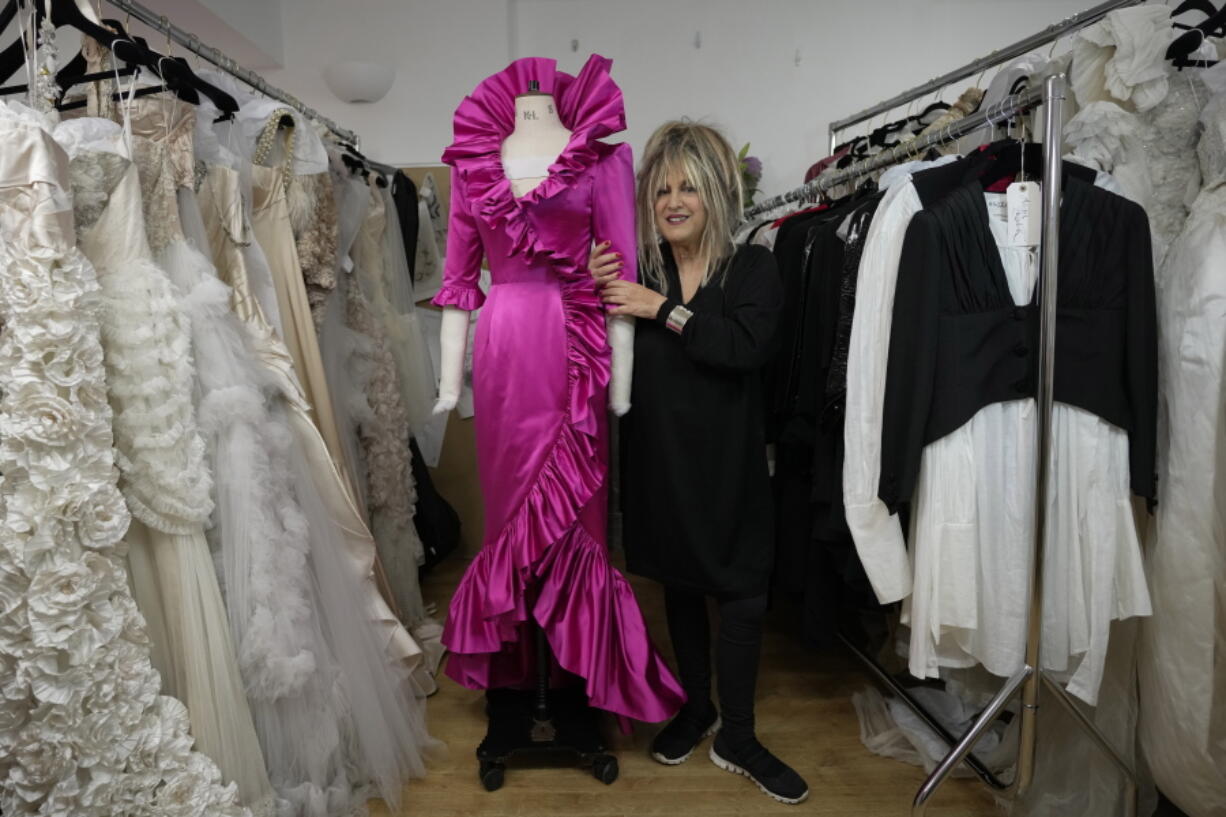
(591, 107)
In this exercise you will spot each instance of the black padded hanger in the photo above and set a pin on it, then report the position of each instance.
(1180, 51)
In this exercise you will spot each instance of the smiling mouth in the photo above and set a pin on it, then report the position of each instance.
(677, 219)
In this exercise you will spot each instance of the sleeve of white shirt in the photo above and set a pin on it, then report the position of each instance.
(877, 533)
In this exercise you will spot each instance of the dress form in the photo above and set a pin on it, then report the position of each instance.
(539, 137)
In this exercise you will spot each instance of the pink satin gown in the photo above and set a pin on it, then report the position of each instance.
(541, 374)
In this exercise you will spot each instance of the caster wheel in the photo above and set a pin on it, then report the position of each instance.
(491, 775)
(604, 769)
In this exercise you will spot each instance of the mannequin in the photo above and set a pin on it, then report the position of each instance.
(539, 137)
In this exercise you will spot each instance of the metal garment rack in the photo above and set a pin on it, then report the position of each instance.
(992, 115)
(1030, 677)
(1020, 48)
(191, 42)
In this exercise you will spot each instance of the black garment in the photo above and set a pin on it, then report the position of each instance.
(696, 491)
(816, 562)
(793, 246)
(404, 194)
(808, 254)
(736, 655)
(958, 342)
(437, 523)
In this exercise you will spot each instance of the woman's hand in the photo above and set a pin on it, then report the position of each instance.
(632, 299)
(605, 266)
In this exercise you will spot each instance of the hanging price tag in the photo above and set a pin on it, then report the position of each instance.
(1024, 203)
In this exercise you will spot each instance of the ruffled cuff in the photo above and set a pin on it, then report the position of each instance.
(466, 298)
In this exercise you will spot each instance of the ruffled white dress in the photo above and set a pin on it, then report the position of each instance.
(154, 376)
(1137, 117)
(84, 728)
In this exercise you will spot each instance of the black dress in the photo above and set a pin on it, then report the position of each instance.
(696, 490)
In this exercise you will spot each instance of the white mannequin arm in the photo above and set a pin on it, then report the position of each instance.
(453, 337)
(621, 338)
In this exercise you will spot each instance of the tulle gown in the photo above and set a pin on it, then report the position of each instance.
(345, 719)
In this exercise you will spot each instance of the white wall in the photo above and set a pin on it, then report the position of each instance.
(744, 77)
(249, 31)
(441, 49)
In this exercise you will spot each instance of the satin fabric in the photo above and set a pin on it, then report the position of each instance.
(541, 371)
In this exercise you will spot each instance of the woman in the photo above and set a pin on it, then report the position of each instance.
(698, 515)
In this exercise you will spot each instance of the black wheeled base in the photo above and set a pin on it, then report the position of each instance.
(543, 723)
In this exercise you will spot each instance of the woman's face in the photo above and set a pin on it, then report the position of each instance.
(680, 215)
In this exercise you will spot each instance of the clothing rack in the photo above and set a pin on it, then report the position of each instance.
(992, 115)
(159, 22)
(1030, 677)
(1020, 48)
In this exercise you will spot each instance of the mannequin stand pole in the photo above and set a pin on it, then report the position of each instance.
(542, 722)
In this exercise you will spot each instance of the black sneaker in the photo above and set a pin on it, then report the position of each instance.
(773, 776)
(677, 741)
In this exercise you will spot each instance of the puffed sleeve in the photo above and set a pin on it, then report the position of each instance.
(613, 207)
(742, 337)
(462, 271)
(912, 364)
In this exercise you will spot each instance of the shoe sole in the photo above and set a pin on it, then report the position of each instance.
(677, 761)
(729, 766)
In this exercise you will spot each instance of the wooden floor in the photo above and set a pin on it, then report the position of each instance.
(804, 715)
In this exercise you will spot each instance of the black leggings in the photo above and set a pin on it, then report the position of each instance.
(736, 656)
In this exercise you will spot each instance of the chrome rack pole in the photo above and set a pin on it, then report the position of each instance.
(1030, 677)
(1028, 738)
(1027, 678)
(1020, 48)
(1053, 119)
(191, 42)
(904, 695)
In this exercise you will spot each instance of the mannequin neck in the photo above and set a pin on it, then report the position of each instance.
(536, 113)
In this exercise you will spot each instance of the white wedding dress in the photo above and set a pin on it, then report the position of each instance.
(84, 729)
(1182, 659)
(1138, 116)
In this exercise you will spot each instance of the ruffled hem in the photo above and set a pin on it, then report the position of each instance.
(466, 298)
(623, 672)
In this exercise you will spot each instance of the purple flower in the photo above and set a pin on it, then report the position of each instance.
(753, 167)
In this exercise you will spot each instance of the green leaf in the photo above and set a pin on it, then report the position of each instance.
(744, 152)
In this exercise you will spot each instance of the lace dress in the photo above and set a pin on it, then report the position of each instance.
(83, 726)
(1182, 660)
(312, 213)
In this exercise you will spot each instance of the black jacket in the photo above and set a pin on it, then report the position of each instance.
(958, 342)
